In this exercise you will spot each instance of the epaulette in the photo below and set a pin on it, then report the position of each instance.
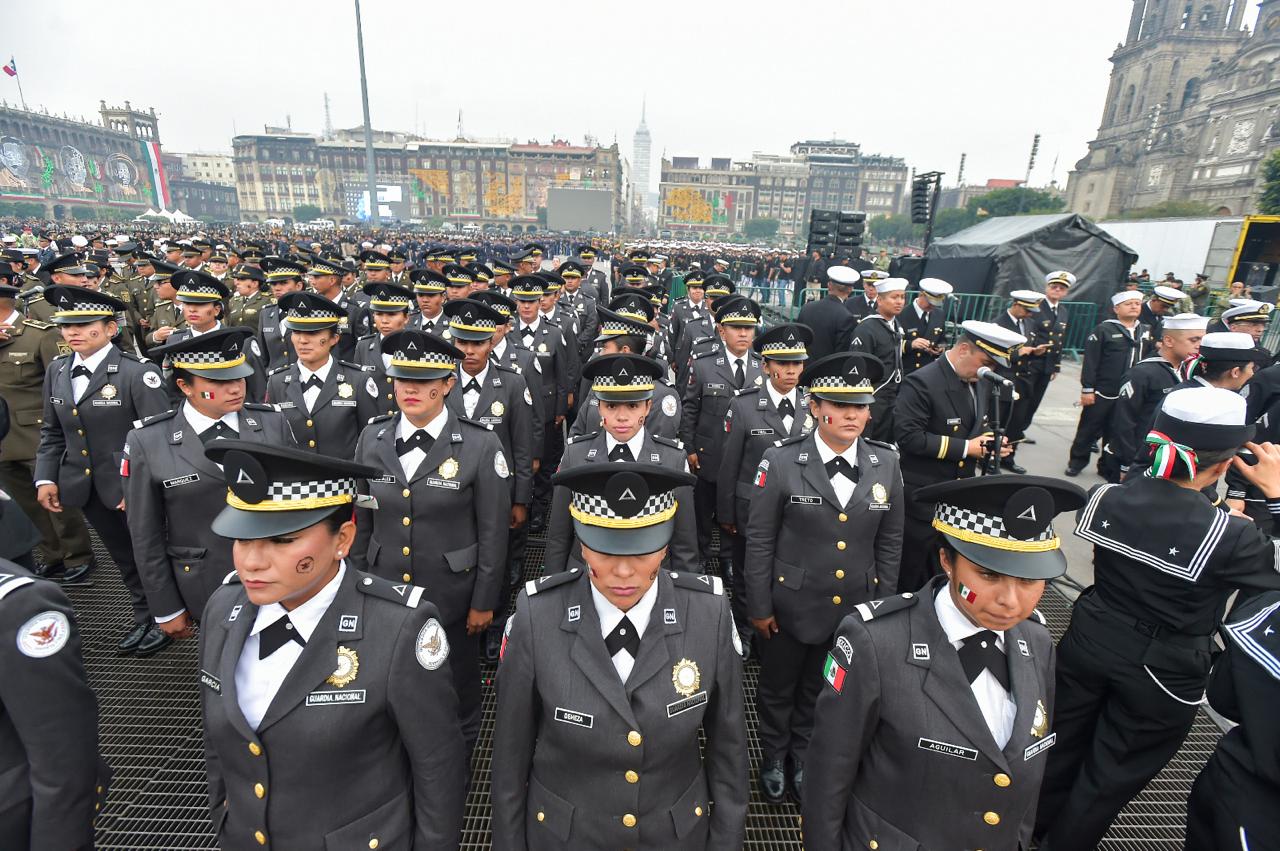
(402, 593)
(232, 578)
(581, 437)
(476, 424)
(364, 337)
(502, 367)
(131, 356)
(12, 582)
(882, 444)
(707, 353)
(662, 440)
(282, 368)
(551, 580)
(36, 323)
(67, 355)
(886, 606)
(358, 367)
(704, 582)
(787, 441)
(381, 418)
(1038, 617)
(259, 406)
(747, 391)
(157, 418)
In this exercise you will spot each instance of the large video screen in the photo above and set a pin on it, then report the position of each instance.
(579, 210)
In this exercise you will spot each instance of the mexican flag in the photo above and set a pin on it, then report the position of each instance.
(833, 674)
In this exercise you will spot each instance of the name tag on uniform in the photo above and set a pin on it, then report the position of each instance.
(953, 421)
(1039, 747)
(715, 386)
(334, 698)
(343, 403)
(385, 480)
(443, 483)
(181, 480)
(57, 400)
(107, 403)
(284, 406)
(691, 702)
(948, 749)
(761, 431)
(797, 499)
(577, 719)
(491, 421)
(211, 682)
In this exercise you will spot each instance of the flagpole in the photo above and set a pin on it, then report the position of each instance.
(13, 63)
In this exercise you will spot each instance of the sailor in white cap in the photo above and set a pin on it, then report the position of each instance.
(924, 325)
(880, 336)
(1164, 301)
(1250, 318)
(941, 428)
(1020, 318)
(829, 318)
(865, 306)
(1110, 351)
(1134, 663)
(1050, 331)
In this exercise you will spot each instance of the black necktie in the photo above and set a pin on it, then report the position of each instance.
(979, 652)
(621, 452)
(314, 381)
(739, 377)
(623, 637)
(216, 431)
(786, 409)
(472, 385)
(81, 370)
(839, 465)
(419, 440)
(276, 636)
(526, 333)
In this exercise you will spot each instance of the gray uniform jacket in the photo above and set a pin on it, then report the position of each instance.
(579, 755)
(376, 762)
(255, 386)
(523, 362)
(663, 419)
(82, 443)
(810, 560)
(551, 365)
(904, 728)
(48, 719)
(563, 550)
(377, 385)
(446, 528)
(173, 493)
(342, 410)
(752, 426)
(271, 339)
(506, 407)
(588, 320)
(707, 395)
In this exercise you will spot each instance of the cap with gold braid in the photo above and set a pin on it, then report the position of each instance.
(849, 378)
(623, 377)
(738, 310)
(528, 288)
(1029, 299)
(419, 356)
(787, 342)
(386, 297)
(308, 311)
(717, 286)
(427, 282)
(196, 287)
(282, 268)
(502, 306)
(624, 508)
(79, 305)
(472, 320)
(273, 490)
(374, 259)
(218, 355)
(996, 340)
(1005, 523)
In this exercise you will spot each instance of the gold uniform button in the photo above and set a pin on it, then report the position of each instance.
(405, 493)
(84, 452)
(405, 550)
(991, 818)
(634, 739)
(80, 432)
(408, 577)
(405, 521)
(873, 845)
(373, 843)
(259, 790)
(632, 777)
(628, 820)
(260, 836)
(1002, 780)
(255, 749)
(836, 599)
(186, 568)
(88, 472)
(840, 545)
(843, 517)
(311, 444)
(310, 423)
(839, 574)
(697, 811)
(542, 816)
(961, 465)
(75, 412)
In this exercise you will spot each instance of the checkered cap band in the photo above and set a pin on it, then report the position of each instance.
(743, 318)
(783, 348)
(299, 496)
(86, 308)
(428, 360)
(315, 314)
(432, 287)
(594, 510)
(200, 291)
(988, 530)
(610, 382)
(837, 382)
(325, 267)
(610, 328)
(394, 301)
(526, 290)
(458, 280)
(473, 325)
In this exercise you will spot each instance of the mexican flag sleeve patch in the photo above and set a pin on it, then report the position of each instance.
(833, 674)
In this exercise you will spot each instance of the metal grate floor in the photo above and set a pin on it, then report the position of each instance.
(150, 735)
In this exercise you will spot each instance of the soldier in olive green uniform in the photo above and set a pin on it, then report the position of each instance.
(27, 347)
(248, 302)
(166, 316)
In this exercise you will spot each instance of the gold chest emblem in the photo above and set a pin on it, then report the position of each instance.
(109, 391)
(878, 493)
(448, 469)
(685, 677)
(542, 347)
(1040, 724)
(497, 409)
(348, 667)
(345, 391)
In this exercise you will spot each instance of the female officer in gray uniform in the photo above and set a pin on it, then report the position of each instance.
(330, 719)
(932, 726)
(609, 676)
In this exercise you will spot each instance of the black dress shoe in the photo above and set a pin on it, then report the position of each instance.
(130, 642)
(773, 781)
(1012, 466)
(797, 780)
(50, 571)
(153, 642)
(75, 574)
(1072, 471)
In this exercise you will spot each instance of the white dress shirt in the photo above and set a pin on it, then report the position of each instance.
(610, 615)
(258, 680)
(996, 703)
(532, 326)
(841, 483)
(79, 384)
(310, 395)
(471, 398)
(776, 398)
(195, 333)
(12, 319)
(499, 350)
(406, 430)
(634, 444)
(200, 422)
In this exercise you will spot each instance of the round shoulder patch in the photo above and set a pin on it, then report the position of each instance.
(151, 379)
(500, 465)
(528, 397)
(669, 406)
(44, 635)
(432, 648)
(371, 387)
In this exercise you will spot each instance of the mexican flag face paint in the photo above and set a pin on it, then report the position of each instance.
(833, 674)
(966, 593)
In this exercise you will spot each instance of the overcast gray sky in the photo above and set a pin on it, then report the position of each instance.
(925, 80)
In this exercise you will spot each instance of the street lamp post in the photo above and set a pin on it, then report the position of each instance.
(368, 128)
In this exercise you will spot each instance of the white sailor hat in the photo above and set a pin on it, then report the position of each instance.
(1195, 419)
(1190, 322)
(1168, 295)
(1060, 277)
(1250, 311)
(1230, 347)
(1030, 299)
(844, 275)
(935, 289)
(874, 275)
(1125, 295)
(891, 285)
(996, 340)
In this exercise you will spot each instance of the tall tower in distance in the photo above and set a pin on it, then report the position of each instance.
(641, 157)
